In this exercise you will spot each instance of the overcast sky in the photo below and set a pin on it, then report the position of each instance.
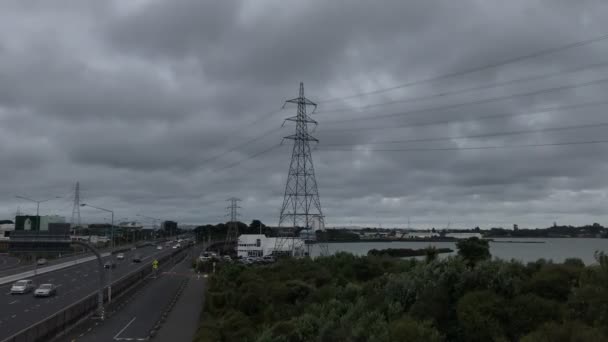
(148, 104)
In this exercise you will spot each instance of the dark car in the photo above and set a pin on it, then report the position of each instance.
(110, 264)
(137, 258)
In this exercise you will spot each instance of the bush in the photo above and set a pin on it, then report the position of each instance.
(570, 331)
(408, 329)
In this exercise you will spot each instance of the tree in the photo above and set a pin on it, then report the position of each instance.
(431, 253)
(409, 329)
(569, 331)
(256, 224)
(480, 316)
(473, 250)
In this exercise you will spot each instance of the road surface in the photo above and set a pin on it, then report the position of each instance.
(136, 320)
(18, 312)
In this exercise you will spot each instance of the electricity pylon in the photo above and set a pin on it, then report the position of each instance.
(301, 207)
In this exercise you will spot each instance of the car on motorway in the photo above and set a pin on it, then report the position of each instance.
(159, 247)
(227, 258)
(109, 264)
(45, 290)
(137, 258)
(177, 246)
(120, 256)
(41, 262)
(22, 286)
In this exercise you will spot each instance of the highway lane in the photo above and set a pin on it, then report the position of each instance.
(23, 267)
(135, 320)
(21, 311)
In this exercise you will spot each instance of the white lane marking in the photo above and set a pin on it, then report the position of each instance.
(74, 279)
(13, 302)
(125, 328)
(13, 316)
(60, 285)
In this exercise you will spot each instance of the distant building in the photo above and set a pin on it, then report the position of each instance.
(257, 245)
(463, 235)
(36, 223)
(43, 234)
(169, 227)
(5, 230)
(515, 227)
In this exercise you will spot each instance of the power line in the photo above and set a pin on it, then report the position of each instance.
(476, 69)
(248, 158)
(479, 118)
(466, 90)
(488, 135)
(245, 143)
(464, 104)
(476, 147)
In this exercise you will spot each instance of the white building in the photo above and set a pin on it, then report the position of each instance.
(5, 230)
(255, 245)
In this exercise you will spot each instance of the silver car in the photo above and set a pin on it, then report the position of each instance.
(22, 286)
(45, 290)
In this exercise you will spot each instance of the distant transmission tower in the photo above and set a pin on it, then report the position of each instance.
(301, 208)
(76, 209)
(232, 235)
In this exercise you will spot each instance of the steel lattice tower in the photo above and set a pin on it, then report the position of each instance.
(76, 209)
(301, 205)
(232, 234)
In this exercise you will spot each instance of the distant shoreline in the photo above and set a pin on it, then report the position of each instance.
(439, 240)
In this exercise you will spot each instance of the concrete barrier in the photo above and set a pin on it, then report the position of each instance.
(54, 325)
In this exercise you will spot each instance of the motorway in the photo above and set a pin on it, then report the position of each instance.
(18, 312)
(139, 316)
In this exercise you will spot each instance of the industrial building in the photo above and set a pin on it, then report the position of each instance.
(258, 245)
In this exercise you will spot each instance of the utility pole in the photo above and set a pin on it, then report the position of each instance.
(76, 209)
(301, 204)
(232, 234)
(37, 202)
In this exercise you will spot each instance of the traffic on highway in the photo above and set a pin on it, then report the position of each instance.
(30, 300)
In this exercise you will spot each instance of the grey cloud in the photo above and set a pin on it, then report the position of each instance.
(134, 104)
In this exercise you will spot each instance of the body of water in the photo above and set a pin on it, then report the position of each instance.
(557, 249)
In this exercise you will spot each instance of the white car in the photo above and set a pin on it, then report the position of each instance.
(22, 286)
(45, 290)
(159, 247)
(120, 256)
(177, 246)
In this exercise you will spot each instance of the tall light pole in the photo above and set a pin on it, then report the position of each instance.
(37, 202)
(112, 247)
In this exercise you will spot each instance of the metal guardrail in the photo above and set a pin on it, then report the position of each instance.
(52, 326)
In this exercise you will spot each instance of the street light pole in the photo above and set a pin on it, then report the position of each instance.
(112, 247)
(37, 202)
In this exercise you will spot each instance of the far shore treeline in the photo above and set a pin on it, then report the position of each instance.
(594, 230)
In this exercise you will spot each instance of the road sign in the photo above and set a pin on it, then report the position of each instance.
(155, 264)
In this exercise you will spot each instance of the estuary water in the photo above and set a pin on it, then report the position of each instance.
(556, 249)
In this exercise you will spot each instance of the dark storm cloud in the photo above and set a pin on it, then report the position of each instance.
(145, 101)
